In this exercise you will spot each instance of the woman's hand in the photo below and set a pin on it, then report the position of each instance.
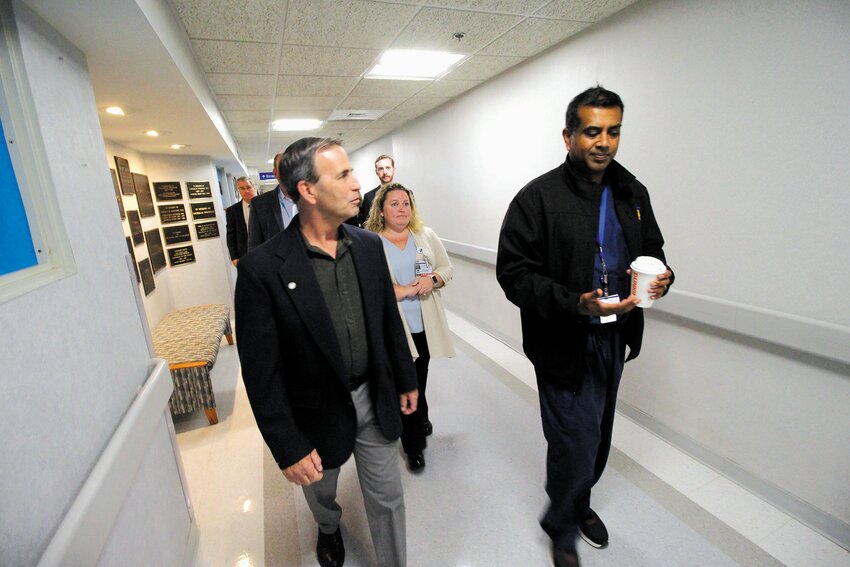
(405, 291)
(426, 285)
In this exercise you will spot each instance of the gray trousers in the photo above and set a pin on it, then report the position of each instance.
(380, 481)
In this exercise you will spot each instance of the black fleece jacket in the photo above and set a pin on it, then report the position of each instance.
(545, 261)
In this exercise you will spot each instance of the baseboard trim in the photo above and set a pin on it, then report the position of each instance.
(829, 526)
(822, 522)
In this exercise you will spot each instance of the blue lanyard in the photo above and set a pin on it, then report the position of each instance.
(603, 213)
(600, 237)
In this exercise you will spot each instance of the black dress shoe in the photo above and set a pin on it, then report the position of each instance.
(564, 558)
(416, 462)
(330, 551)
(427, 428)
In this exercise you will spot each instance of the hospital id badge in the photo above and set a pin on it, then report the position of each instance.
(423, 268)
(609, 299)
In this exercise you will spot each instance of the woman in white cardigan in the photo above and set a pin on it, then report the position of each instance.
(419, 267)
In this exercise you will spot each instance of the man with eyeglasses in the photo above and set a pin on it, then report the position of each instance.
(564, 251)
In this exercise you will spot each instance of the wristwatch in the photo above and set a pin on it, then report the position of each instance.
(435, 280)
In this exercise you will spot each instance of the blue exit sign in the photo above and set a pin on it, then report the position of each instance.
(265, 175)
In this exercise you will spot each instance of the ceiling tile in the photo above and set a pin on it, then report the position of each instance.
(243, 126)
(432, 28)
(327, 103)
(280, 140)
(240, 84)
(388, 88)
(252, 138)
(347, 124)
(525, 7)
(297, 85)
(370, 103)
(447, 88)
(246, 20)
(483, 67)
(341, 133)
(246, 115)
(312, 60)
(384, 124)
(533, 36)
(254, 149)
(244, 102)
(236, 57)
(583, 10)
(344, 23)
(414, 107)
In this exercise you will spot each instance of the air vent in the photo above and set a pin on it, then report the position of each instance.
(356, 114)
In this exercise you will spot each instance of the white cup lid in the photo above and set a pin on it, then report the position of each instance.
(648, 265)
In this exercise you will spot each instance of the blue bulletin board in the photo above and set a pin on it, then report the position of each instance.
(16, 246)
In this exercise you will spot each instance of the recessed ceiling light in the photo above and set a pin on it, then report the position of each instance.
(178, 146)
(296, 124)
(152, 133)
(116, 110)
(413, 64)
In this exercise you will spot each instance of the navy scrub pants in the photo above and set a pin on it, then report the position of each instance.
(578, 426)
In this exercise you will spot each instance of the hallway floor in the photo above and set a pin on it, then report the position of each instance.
(479, 498)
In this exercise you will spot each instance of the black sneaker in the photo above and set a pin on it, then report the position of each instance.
(592, 530)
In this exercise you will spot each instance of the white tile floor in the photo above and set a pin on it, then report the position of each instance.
(224, 466)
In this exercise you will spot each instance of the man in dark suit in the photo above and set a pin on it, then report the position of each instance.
(385, 170)
(272, 212)
(237, 219)
(324, 356)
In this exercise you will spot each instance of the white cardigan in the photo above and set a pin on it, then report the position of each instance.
(433, 316)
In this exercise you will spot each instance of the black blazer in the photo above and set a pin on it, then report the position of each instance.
(266, 219)
(291, 361)
(237, 231)
(365, 207)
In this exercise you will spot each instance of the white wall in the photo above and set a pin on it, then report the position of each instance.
(74, 352)
(736, 119)
(209, 278)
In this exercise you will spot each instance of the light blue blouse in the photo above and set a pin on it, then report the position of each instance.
(403, 267)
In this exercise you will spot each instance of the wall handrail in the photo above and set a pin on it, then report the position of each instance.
(821, 338)
(85, 529)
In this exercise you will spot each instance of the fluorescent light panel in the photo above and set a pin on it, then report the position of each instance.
(296, 124)
(413, 64)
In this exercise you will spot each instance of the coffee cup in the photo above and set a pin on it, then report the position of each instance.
(645, 269)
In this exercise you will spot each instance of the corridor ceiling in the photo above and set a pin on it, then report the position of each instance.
(263, 60)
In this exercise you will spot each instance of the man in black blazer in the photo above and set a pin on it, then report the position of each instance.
(272, 212)
(324, 356)
(237, 219)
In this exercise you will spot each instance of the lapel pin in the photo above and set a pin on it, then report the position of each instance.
(291, 285)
